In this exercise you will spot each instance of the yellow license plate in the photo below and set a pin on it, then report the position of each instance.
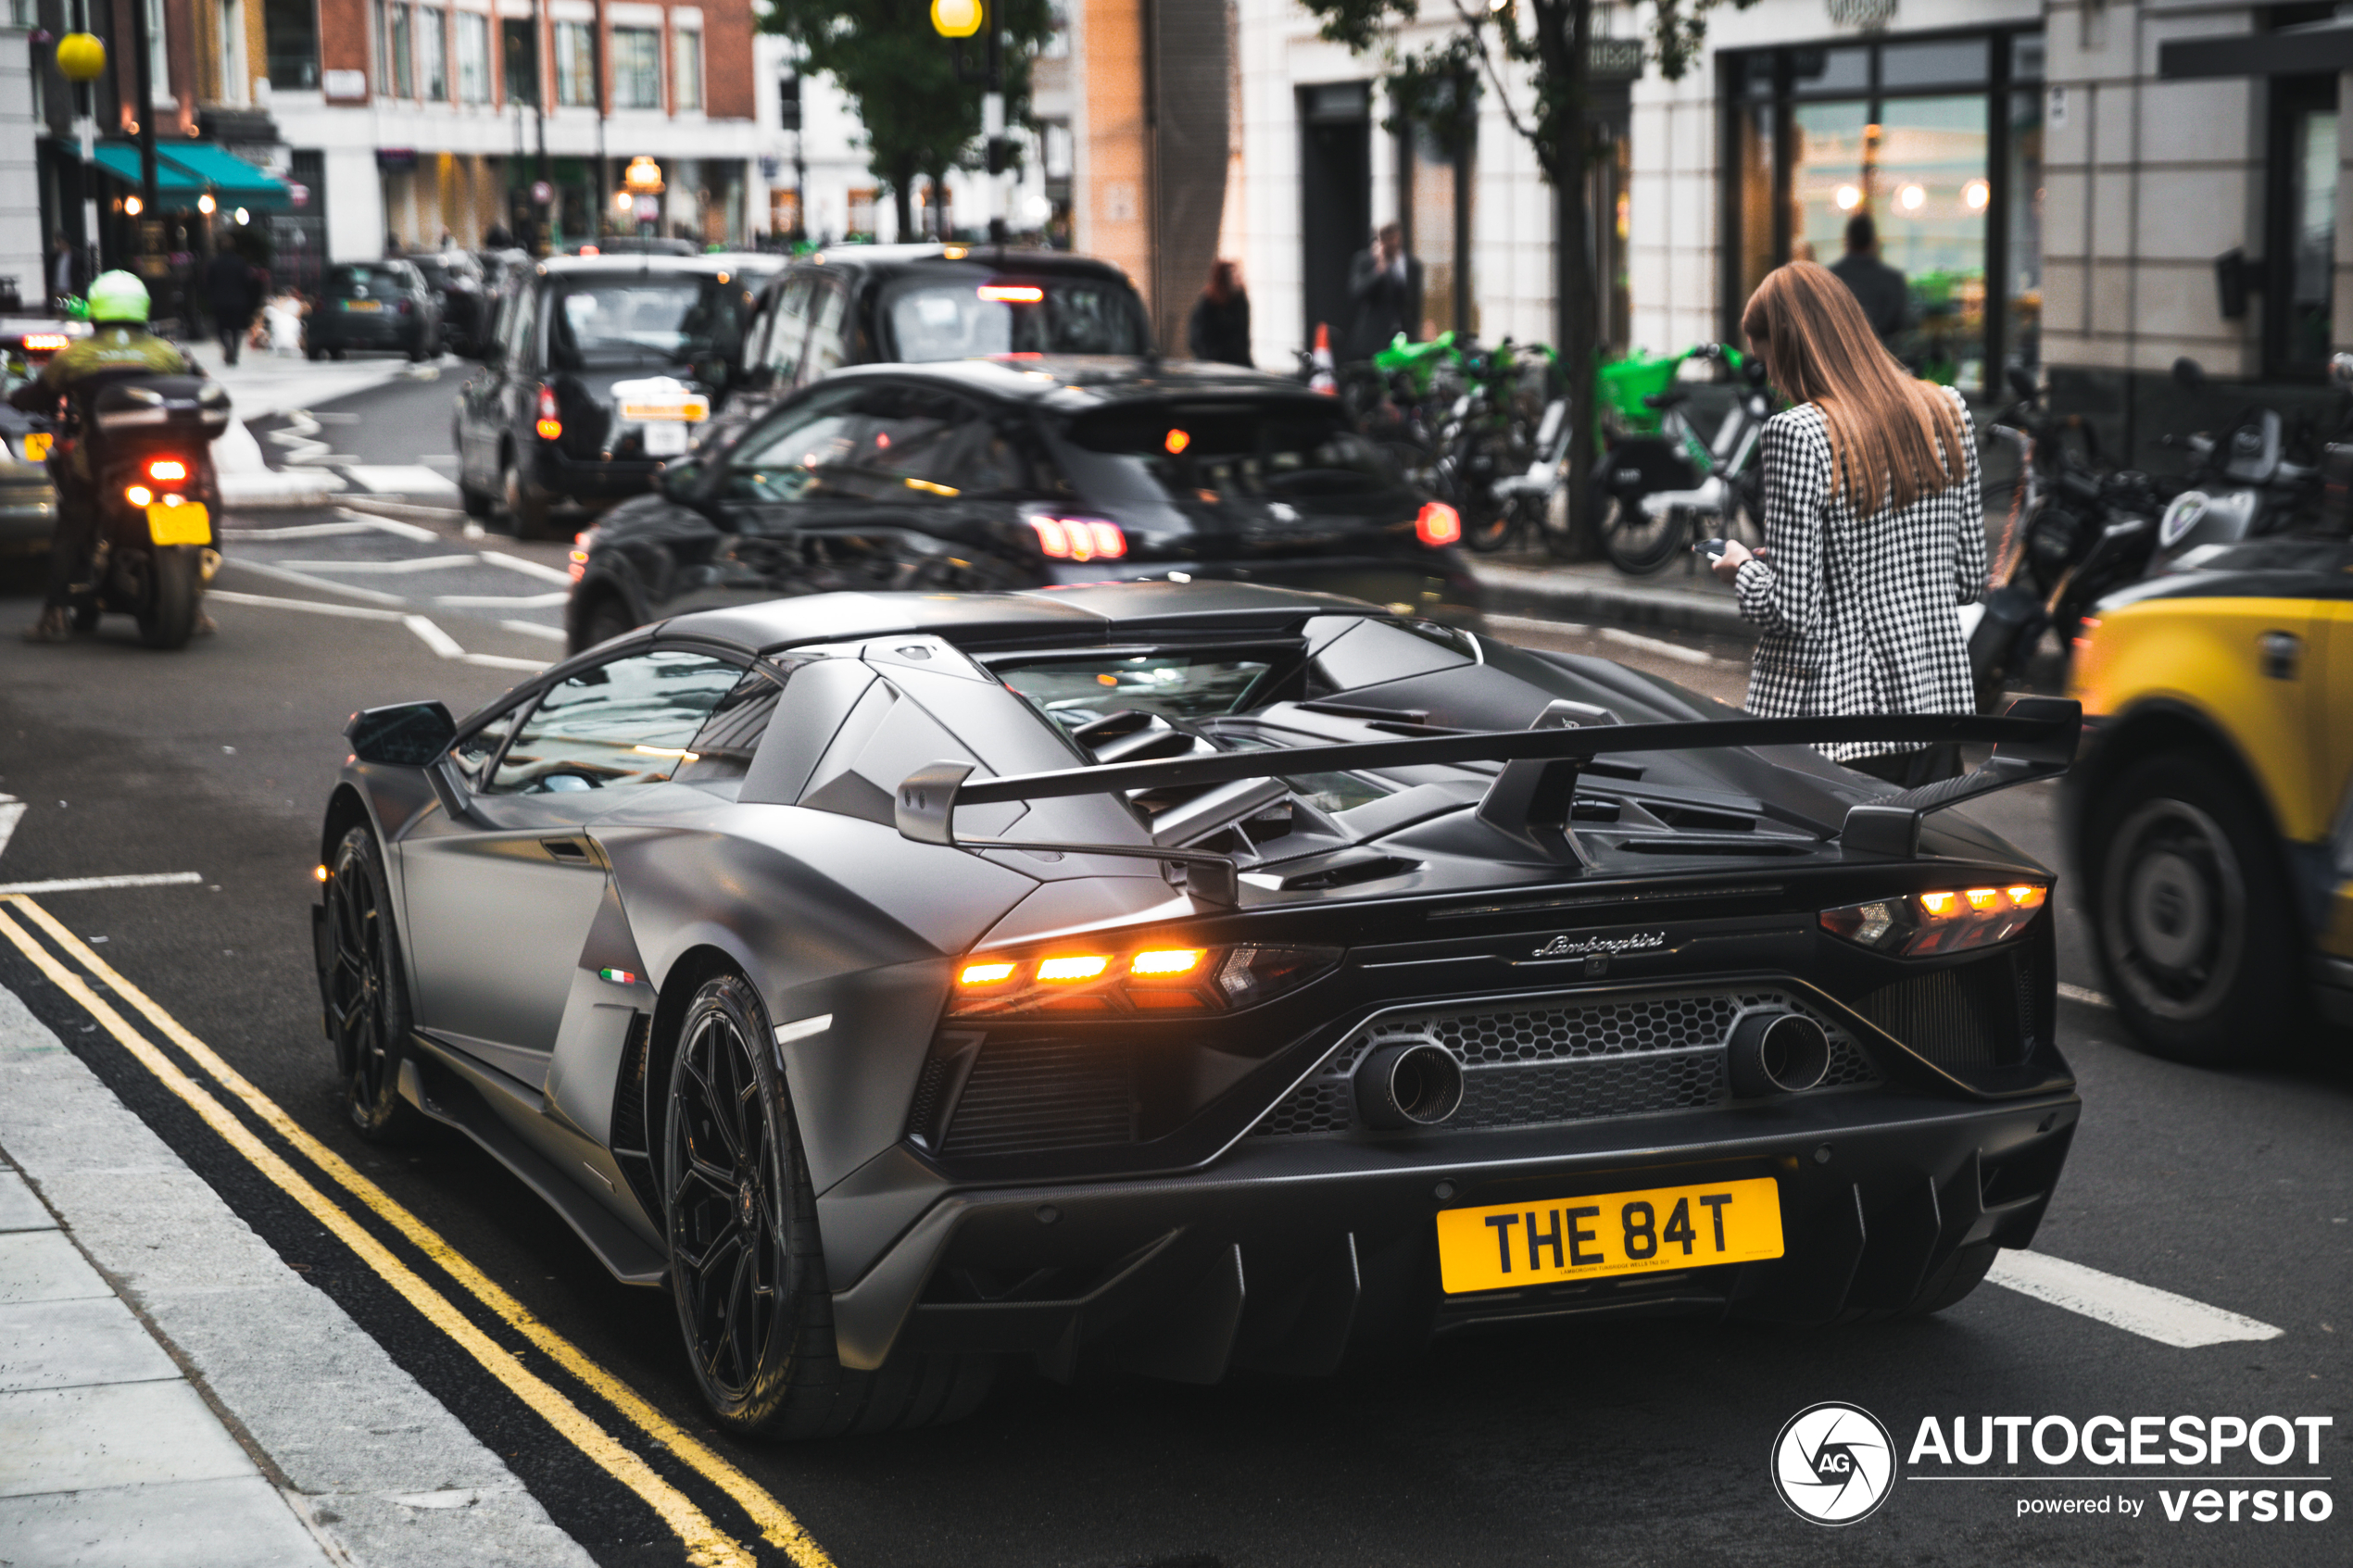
(36, 446)
(190, 522)
(688, 412)
(1615, 1233)
(363, 305)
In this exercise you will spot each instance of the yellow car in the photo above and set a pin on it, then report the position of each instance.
(2209, 811)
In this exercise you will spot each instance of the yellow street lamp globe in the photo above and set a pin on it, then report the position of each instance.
(80, 57)
(955, 19)
(643, 176)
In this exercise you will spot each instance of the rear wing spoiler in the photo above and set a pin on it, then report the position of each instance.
(1531, 800)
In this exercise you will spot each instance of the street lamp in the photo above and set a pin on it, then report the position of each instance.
(83, 59)
(962, 19)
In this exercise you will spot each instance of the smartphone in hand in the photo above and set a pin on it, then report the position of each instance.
(1712, 549)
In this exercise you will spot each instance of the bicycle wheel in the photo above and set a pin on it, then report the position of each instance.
(1636, 542)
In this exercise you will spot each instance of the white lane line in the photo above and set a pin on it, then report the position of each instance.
(392, 525)
(299, 531)
(528, 568)
(355, 612)
(306, 580)
(434, 636)
(501, 662)
(2086, 994)
(532, 628)
(416, 563)
(1658, 646)
(500, 601)
(11, 809)
(94, 883)
(2122, 1303)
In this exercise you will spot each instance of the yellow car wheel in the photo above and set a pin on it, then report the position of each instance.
(2190, 903)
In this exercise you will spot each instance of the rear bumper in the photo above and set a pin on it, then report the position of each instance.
(592, 483)
(388, 329)
(27, 514)
(1290, 1254)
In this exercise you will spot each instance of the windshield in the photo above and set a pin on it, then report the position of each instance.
(965, 320)
(1288, 449)
(616, 322)
(1175, 686)
(381, 280)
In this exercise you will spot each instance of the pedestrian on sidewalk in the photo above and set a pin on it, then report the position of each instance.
(233, 289)
(1874, 528)
(1385, 289)
(1880, 289)
(1219, 328)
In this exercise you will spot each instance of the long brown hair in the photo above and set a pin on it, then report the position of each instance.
(1893, 439)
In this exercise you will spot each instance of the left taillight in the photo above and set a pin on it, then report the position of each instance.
(1153, 979)
(1944, 920)
(548, 424)
(582, 543)
(1439, 524)
(1078, 538)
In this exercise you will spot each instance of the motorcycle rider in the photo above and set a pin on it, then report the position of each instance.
(119, 343)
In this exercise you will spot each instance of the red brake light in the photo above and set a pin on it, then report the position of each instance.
(1012, 294)
(1078, 538)
(45, 342)
(168, 469)
(1439, 524)
(548, 425)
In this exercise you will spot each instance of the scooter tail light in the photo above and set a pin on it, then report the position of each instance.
(1948, 920)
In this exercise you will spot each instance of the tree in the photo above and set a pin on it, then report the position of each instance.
(1554, 39)
(901, 77)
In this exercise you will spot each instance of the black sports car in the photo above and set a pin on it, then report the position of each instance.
(1186, 978)
(1020, 472)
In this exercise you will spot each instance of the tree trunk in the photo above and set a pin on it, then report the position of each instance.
(1565, 37)
(902, 204)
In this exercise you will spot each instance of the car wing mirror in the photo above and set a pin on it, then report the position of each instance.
(405, 734)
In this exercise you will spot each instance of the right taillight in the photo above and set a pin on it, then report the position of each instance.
(549, 424)
(1159, 978)
(1918, 926)
(1078, 538)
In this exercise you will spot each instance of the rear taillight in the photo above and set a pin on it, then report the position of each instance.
(1953, 919)
(167, 471)
(1079, 538)
(1153, 979)
(581, 545)
(549, 426)
(1439, 524)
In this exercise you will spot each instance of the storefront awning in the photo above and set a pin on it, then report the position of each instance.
(2321, 50)
(185, 171)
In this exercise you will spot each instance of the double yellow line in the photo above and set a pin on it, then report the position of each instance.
(707, 1545)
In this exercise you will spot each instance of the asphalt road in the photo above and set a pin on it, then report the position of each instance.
(1546, 1445)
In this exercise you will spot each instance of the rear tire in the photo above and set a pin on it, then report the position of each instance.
(525, 504)
(174, 580)
(606, 619)
(748, 1272)
(2190, 908)
(1636, 544)
(364, 989)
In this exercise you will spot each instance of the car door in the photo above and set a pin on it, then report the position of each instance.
(500, 897)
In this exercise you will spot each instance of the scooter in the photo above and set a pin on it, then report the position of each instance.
(2242, 486)
(1652, 493)
(156, 493)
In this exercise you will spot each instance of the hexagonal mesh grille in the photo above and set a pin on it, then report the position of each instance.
(1526, 1063)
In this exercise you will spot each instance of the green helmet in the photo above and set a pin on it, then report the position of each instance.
(117, 296)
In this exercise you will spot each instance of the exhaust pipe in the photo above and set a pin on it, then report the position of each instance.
(1776, 1053)
(1411, 1083)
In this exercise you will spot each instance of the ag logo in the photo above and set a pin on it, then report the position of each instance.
(1834, 1463)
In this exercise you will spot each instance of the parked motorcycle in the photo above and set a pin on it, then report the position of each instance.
(156, 493)
(2248, 482)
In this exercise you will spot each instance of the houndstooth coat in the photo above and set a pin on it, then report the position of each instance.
(1860, 613)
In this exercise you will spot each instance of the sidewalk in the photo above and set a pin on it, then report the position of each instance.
(1671, 600)
(172, 1394)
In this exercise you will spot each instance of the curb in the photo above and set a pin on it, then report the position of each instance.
(1575, 596)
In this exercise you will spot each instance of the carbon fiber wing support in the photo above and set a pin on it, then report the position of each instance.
(2034, 738)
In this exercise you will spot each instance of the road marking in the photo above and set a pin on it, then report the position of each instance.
(2122, 1303)
(299, 437)
(500, 601)
(528, 568)
(98, 884)
(532, 628)
(777, 1525)
(1658, 646)
(314, 607)
(298, 531)
(11, 810)
(414, 563)
(434, 636)
(503, 662)
(706, 1546)
(304, 578)
(398, 479)
(2086, 994)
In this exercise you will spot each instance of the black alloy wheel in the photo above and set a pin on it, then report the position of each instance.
(2192, 912)
(746, 1269)
(366, 1001)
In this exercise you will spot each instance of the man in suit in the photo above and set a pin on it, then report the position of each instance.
(1877, 287)
(1384, 286)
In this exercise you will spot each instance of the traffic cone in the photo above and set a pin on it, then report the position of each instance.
(1323, 379)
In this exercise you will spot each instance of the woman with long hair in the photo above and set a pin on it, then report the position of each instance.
(1874, 528)
(1219, 328)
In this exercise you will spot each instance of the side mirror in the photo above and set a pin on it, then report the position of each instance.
(2022, 383)
(405, 734)
(2341, 368)
(2188, 374)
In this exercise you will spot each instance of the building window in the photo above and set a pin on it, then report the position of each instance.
(396, 58)
(862, 210)
(290, 42)
(2297, 318)
(1938, 142)
(158, 57)
(575, 64)
(637, 67)
(686, 72)
(433, 52)
(519, 49)
(473, 57)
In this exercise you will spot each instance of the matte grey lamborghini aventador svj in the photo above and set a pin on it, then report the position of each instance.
(1186, 977)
